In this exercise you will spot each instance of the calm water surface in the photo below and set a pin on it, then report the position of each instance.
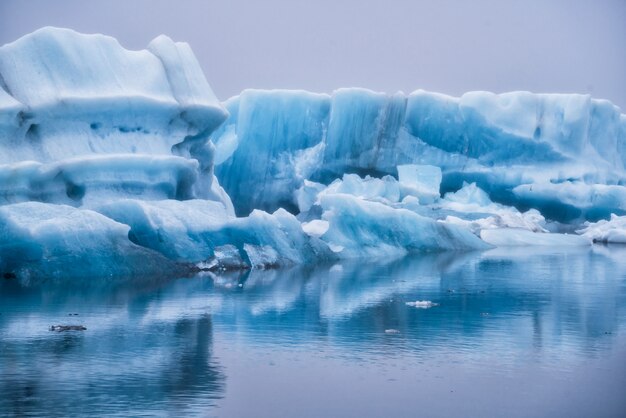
(516, 333)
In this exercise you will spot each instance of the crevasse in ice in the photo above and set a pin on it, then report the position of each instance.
(112, 163)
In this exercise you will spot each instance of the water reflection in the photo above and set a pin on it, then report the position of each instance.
(150, 346)
(125, 362)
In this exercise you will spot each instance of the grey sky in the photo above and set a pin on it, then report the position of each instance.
(450, 46)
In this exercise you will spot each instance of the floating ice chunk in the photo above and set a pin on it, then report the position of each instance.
(422, 304)
(280, 231)
(521, 237)
(411, 203)
(612, 231)
(473, 209)
(40, 240)
(364, 228)
(474, 225)
(422, 181)
(385, 190)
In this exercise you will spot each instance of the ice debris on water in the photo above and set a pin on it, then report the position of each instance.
(422, 304)
(63, 328)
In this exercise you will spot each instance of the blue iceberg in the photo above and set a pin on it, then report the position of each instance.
(125, 163)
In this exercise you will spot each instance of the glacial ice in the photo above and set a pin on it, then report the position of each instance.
(68, 96)
(607, 231)
(124, 163)
(180, 230)
(61, 242)
(421, 181)
(87, 178)
(501, 142)
(513, 237)
(471, 207)
(361, 228)
(274, 149)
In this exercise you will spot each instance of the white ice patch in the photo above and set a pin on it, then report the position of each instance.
(611, 231)
(315, 228)
(422, 304)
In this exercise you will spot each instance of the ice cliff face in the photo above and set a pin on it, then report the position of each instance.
(563, 154)
(110, 160)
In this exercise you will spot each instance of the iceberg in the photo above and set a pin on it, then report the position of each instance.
(611, 231)
(207, 234)
(370, 229)
(506, 144)
(84, 124)
(67, 98)
(471, 207)
(125, 163)
(62, 243)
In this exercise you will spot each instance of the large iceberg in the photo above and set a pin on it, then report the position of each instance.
(87, 123)
(523, 149)
(124, 163)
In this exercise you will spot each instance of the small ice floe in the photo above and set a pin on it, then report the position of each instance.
(422, 304)
(61, 328)
(392, 331)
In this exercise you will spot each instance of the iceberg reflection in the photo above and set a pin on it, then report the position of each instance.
(150, 345)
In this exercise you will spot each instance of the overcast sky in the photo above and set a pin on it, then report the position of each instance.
(450, 46)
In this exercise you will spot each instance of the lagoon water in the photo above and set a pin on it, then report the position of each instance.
(515, 333)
